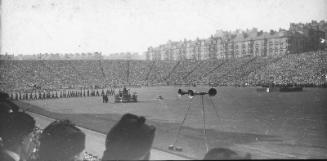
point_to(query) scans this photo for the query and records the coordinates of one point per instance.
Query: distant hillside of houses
(299, 38)
(225, 44)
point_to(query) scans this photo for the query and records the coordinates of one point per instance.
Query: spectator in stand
(15, 128)
(61, 141)
(224, 154)
(129, 139)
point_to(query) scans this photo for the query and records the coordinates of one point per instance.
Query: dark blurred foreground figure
(129, 139)
(61, 141)
(15, 128)
(4, 95)
(6, 105)
(224, 154)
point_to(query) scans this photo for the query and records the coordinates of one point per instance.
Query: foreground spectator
(4, 95)
(61, 141)
(15, 128)
(129, 139)
(224, 154)
(6, 107)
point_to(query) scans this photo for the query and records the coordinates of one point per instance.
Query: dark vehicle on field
(125, 96)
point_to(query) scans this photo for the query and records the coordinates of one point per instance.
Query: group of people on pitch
(129, 139)
(67, 93)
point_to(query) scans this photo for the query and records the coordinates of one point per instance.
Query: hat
(61, 140)
(7, 106)
(129, 139)
(14, 126)
(3, 95)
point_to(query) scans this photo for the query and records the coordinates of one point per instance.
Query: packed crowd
(308, 69)
(238, 71)
(305, 69)
(183, 70)
(130, 138)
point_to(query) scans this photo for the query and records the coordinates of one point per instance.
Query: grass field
(290, 125)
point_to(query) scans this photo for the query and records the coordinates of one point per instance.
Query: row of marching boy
(65, 93)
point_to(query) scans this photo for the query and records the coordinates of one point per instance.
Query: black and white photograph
(97, 80)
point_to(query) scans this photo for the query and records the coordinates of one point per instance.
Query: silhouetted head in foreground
(15, 128)
(4, 95)
(61, 141)
(129, 139)
(7, 106)
(224, 154)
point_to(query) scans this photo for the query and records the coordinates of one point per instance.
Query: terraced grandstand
(304, 69)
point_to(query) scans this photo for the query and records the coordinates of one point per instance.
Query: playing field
(285, 125)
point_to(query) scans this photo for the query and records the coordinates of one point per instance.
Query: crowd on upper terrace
(305, 69)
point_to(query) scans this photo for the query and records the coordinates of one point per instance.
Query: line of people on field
(131, 138)
(67, 93)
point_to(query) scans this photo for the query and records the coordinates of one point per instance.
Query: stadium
(266, 125)
(163, 80)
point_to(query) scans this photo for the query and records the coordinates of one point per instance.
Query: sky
(110, 26)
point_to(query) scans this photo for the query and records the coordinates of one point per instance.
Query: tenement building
(225, 45)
